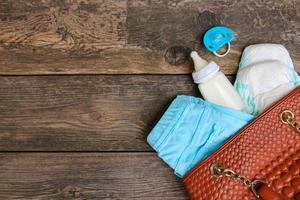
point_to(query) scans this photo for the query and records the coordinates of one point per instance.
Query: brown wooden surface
(89, 113)
(87, 176)
(132, 36)
(82, 135)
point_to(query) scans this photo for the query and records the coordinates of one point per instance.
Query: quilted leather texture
(265, 149)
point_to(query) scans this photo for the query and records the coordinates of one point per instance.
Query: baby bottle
(214, 85)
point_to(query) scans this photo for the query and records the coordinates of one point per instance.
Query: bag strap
(259, 188)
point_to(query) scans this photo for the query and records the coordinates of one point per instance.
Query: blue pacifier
(217, 37)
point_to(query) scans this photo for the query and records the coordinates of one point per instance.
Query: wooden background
(83, 82)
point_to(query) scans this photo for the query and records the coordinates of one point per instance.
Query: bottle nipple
(199, 62)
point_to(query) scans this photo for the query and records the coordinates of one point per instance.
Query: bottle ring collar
(217, 37)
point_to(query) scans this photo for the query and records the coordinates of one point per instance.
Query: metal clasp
(254, 185)
(217, 170)
(288, 117)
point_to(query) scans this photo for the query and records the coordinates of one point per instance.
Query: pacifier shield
(217, 37)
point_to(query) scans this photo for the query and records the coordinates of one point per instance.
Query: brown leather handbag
(262, 161)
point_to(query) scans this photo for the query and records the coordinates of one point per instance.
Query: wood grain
(84, 113)
(132, 36)
(79, 176)
(108, 113)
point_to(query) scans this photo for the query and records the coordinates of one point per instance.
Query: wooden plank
(84, 113)
(133, 36)
(78, 176)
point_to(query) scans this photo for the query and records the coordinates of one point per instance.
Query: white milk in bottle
(214, 85)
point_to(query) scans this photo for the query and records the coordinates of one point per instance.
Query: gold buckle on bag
(288, 117)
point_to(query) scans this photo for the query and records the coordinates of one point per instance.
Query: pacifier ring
(222, 55)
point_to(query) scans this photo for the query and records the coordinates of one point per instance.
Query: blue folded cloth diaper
(191, 129)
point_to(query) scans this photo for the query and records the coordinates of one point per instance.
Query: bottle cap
(205, 73)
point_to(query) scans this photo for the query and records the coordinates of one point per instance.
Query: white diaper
(266, 73)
